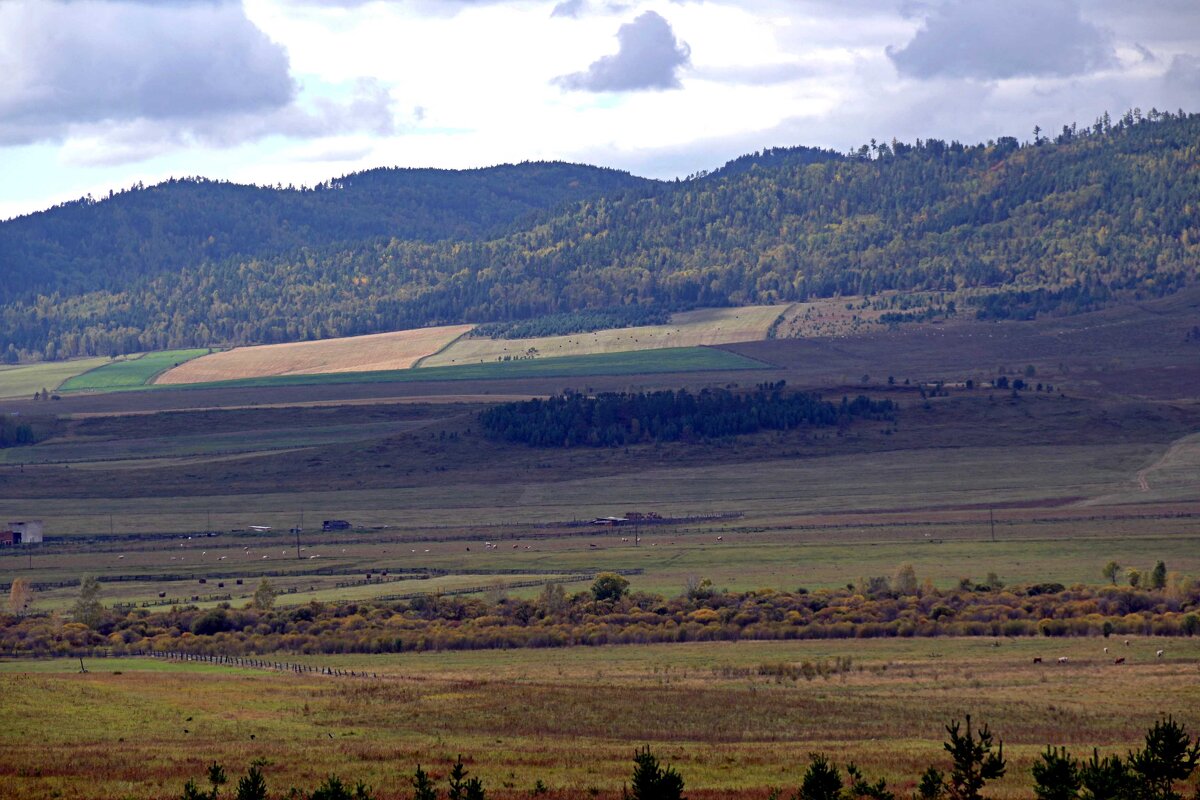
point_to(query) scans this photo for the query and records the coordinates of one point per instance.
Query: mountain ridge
(1060, 225)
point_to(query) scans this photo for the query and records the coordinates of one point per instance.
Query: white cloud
(125, 81)
(84, 62)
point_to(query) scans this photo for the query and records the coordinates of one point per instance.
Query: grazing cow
(1159, 654)
(1120, 660)
(1106, 651)
(1037, 659)
(1127, 643)
(1062, 659)
(720, 538)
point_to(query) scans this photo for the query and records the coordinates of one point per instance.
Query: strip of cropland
(707, 326)
(130, 373)
(373, 352)
(682, 359)
(24, 379)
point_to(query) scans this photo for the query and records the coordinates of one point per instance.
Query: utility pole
(299, 525)
(992, 520)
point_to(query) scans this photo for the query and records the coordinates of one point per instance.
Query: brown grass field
(709, 326)
(379, 351)
(721, 713)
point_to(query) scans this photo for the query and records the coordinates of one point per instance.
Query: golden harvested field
(377, 351)
(707, 326)
(25, 379)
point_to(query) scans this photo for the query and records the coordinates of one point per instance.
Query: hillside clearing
(709, 326)
(374, 352)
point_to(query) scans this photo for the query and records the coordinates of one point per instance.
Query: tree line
(613, 419)
(609, 613)
(1093, 215)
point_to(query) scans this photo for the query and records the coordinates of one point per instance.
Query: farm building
(335, 525)
(28, 532)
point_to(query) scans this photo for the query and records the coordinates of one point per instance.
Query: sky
(98, 95)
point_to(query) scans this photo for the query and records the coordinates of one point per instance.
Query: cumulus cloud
(83, 62)
(648, 57)
(1009, 39)
(130, 79)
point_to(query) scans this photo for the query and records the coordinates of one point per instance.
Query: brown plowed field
(377, 351)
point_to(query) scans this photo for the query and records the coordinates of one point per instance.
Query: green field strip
(130, 373)
(24, 379)
(682, 359)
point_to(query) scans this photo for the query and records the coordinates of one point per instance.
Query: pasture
(374, 352)
(735, 719)
(25, 379)
(130, 372)
(704, 327)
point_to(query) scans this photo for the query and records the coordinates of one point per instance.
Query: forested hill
(1093, 214)
(145, 231)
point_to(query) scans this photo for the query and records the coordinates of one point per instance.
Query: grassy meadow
(130, 372)
(709, 326)
(24, 379)
(730, 717)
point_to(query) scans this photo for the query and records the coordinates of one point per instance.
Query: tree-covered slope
(146, 231)
(1103, 212)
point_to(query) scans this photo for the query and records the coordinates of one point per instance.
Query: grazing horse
(1120, 660)
(1037, 659)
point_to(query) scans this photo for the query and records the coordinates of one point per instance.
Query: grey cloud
(1181, 82)
(1008, 39)
(139, 79)
(369, 109)
(648, 57)
(83, 62)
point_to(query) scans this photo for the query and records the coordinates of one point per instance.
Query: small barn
(335, 525)
(26, 532)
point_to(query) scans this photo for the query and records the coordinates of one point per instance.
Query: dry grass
(571, 718)
(379, 351)
(708, 326)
